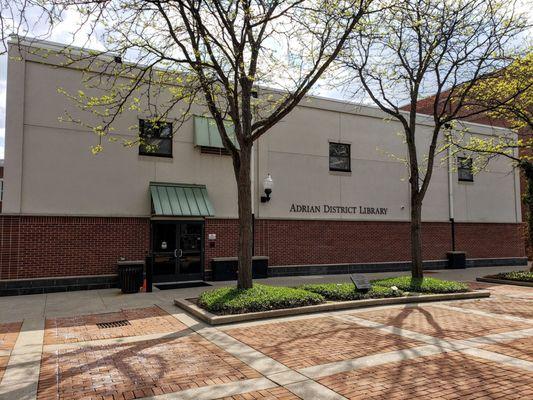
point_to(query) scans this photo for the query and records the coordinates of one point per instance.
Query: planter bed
(519, 278)
(191, 307)
(490, 279)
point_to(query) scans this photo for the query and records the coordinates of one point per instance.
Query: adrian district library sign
(329, 209)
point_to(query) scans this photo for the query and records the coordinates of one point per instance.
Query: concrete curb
(505, 281)
(213, 319)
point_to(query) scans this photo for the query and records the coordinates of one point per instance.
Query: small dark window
(464, 169)
(339, 157)
(156, 138)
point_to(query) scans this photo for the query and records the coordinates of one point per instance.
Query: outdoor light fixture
(268, 183)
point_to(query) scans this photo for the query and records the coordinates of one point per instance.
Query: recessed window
(156, 138)
(464, 169)
(339, 157)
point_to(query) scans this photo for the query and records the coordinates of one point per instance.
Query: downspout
(253, 179)
(450, 191)
(254, 194)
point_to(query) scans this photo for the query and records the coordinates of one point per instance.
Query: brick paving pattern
(444, 376)
(146, 367)
(8, 335)
(277, 393)
(441, 323)
(519, 348)
(3, 365)
(516, 307)
(308, 342)
(503, 290)
(136, 370)
(143, 321)
(479, 285)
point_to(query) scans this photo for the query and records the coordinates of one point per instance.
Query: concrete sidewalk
(15, 308)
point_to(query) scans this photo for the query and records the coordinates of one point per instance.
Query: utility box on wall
(456, 260)
(225, 268)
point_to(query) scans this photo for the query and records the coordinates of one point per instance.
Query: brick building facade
(340, 203)
(34, 246)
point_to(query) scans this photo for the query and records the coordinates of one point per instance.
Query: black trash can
(456, 260)
(130, 276)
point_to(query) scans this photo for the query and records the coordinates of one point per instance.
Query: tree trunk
(417, 269)
(244, 198)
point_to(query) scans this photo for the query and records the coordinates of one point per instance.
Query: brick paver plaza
(476, 349)
(8, 336)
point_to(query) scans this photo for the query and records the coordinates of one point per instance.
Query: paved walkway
(102, 345)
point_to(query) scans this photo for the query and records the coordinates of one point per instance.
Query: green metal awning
(180, 200)
(206, 133)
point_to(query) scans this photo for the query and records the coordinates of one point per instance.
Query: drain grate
(113, 324)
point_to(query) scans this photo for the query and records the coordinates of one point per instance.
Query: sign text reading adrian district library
(328, 209)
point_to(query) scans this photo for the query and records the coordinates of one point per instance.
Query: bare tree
(217, 54)
(418, 48)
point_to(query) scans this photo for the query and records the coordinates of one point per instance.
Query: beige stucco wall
(49, 168)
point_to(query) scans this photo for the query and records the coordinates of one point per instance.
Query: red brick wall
(291, 242)
(32, 246)
(491, 240)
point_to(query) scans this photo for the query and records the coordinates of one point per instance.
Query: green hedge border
(230, 300)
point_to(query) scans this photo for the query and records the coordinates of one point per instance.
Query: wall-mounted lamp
(268, 184)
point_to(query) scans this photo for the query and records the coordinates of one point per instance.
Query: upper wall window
(464, 169)
(339, 157)
(156, 138)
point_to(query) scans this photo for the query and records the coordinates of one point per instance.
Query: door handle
(176, 253)
(181, 253)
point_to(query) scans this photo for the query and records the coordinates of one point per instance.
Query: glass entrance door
(178, 250)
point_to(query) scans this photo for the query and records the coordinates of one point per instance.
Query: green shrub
(425, 285)
(347, 291)
(524, 276)
(230, 300)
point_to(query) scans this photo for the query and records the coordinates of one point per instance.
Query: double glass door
(177, 247)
